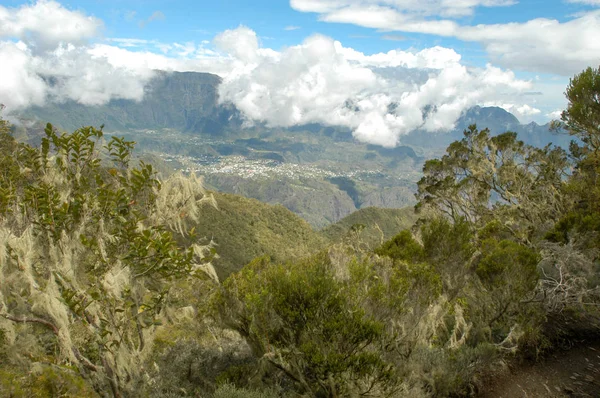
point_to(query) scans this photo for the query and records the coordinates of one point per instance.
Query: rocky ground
(572, 373)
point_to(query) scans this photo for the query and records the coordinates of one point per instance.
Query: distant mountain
(496, 119)
(493, 117)
(328, 174)
(187, 101)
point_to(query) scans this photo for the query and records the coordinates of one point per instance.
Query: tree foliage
(88, 252)
(303, 321)
(484, 178)
(582, 116)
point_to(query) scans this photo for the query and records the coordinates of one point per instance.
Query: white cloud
(20, 85)
(241, 43)
(142, 61)
(524, 112)
(588, 2)
(434, 57)
(554, 115)
(379, 96)
(541, 45)
(46, 24)
(67, 73)
(291, 27)
(81, 77)
(320, 81)
(45, 57)
(446, 8)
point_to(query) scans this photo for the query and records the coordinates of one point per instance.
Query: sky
(370, 65)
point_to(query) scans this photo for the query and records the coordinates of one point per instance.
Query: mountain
(374, 225)
(498, 121)
(186, 101)
(244, 229)
(319, 172)
(493, 117)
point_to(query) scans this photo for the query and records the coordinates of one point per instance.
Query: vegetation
(109, 288)
(371, 225)
(89, 254)
(244, 229)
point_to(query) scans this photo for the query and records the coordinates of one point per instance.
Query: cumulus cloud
(542, 45)
(47, 57)
(320, 81)
(46, 24)
(66, 73)
(241, 43)
(49, 54)
(20, 85)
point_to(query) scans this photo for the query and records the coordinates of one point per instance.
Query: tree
(89, 251)
(572, 265)
(582, 120)
(483, 178)
(303, 321)
(582, 116)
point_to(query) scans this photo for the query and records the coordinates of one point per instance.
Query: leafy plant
(87, 254)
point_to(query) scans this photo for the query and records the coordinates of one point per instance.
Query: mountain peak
(489, 115)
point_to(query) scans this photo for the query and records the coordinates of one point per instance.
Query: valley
(319, 178)
(322, 173)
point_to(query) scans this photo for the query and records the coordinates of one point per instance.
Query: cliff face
(186, 101)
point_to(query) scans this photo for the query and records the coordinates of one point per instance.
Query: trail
(572, 373)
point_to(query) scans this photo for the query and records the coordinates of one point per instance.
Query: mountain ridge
(189, 102)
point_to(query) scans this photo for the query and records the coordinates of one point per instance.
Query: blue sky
(188, 20)
(452, 54)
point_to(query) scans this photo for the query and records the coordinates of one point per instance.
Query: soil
(571, 373)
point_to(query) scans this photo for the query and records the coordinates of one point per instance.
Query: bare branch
(40, 321)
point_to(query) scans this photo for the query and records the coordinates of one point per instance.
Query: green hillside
(318, 202)
(376, 224)
(246, 228)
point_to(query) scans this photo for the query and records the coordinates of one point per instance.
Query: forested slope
(244, 229)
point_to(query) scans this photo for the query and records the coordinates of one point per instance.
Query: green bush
(402, 247)
(306, 324)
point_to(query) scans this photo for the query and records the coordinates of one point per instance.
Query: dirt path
(573, 373)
